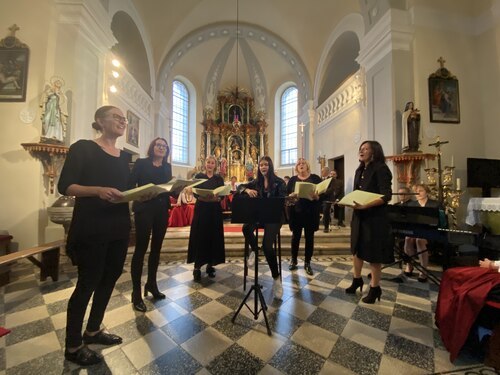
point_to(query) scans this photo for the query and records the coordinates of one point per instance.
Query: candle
(458, 184)
(426, 163)
(452, 161)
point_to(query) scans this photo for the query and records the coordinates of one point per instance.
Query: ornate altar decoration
(235, 134)
(52, 157)
(408, 166)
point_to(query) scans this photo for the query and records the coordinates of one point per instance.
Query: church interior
(241, 79)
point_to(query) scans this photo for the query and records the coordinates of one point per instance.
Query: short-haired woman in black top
(95, 172)
(151, 219)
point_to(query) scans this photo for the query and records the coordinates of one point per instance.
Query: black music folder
(248, 210)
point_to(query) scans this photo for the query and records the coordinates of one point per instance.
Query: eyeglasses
(119, 118)
(161, 146)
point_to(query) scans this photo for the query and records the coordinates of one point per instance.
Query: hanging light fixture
(236, 120)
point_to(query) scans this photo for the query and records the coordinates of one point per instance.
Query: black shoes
(357, 282)
(102, 338)
(197, 275)
(422, 279)
(137, 301)
(308, 269)
(83, 357)
(374, 293)
(210, 271)
(293, 265)
(153, 289)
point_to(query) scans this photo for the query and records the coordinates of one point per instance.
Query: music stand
(258, 211)
(410, 221)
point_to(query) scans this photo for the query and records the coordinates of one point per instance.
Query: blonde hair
(306, 163)
(215, 160)
(426, 188)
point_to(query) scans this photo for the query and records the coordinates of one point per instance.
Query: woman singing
(267, 185)
(95, 172)
(370, 230)
(206, 239)
(303, 215)
(151, 218)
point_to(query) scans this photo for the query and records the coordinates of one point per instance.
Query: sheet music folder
(257, 210)
(409, 215)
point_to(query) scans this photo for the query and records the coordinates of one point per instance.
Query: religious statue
(54, 112)
(253, 153)
(410, 129)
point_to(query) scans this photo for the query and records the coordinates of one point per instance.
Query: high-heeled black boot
(374, 293)
(210, 271)
(153, 289)
(137, 301)
(197, 275)
(357, 282)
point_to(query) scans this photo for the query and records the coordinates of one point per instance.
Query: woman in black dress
(267, 185)
(206, 238)
(151, 219)
(304, 214)
(95, 172)
(370, 230)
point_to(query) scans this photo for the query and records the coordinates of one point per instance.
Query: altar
(486, 212)
(235, 134)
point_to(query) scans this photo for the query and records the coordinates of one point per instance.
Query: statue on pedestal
(411, 129)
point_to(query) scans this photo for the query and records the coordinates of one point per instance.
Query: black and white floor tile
(316, 327)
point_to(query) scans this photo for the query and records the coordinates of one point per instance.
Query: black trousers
(339, 213)
(99, 266)
(152, 223)
(270, 233)
(309, 236)
(327, 206)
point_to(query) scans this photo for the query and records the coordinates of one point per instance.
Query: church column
(386, 57)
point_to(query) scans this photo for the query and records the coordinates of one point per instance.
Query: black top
(430, 203)
(145, 172)
(335, 190)
(277, 190)
(370, 229)
(87, 164)
(304, 212)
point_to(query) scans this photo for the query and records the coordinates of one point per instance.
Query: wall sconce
(114, 76)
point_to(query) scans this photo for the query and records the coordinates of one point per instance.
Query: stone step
(335, 242)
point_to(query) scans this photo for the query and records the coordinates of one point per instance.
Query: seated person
(462, 298)
(414, 245)
(404, 196)
(182, 211)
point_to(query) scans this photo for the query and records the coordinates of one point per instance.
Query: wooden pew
(48, 264)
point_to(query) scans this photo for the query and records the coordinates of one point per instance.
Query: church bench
(48, 263)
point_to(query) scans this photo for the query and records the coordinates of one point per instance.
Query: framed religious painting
(14, 59)
(132, 129)
(444, 98)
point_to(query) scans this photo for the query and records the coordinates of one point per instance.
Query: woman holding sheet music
(304, 214)
(370, 230)
(267, 185)
(95, 172)
(151, 219)
(206, 239)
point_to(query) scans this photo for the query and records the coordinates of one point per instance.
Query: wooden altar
(235, 134)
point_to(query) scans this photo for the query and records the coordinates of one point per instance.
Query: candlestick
(458, 184)
(452, 161)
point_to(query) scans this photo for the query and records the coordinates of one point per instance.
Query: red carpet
(4, 331)
(236, 229)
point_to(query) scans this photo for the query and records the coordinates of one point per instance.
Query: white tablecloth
(480, 204)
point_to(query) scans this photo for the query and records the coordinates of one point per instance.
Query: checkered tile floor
(316, 328)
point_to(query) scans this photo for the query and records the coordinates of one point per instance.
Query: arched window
(180, 123)
(288, 126)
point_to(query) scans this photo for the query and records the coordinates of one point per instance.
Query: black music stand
(258, 211)
(410, 221)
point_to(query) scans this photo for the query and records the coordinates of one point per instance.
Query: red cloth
(4, 331)
(181, 216)
(462, 295)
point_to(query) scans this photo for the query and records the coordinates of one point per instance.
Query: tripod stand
(257, 211)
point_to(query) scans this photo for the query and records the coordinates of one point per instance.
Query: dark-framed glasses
(161, 146)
